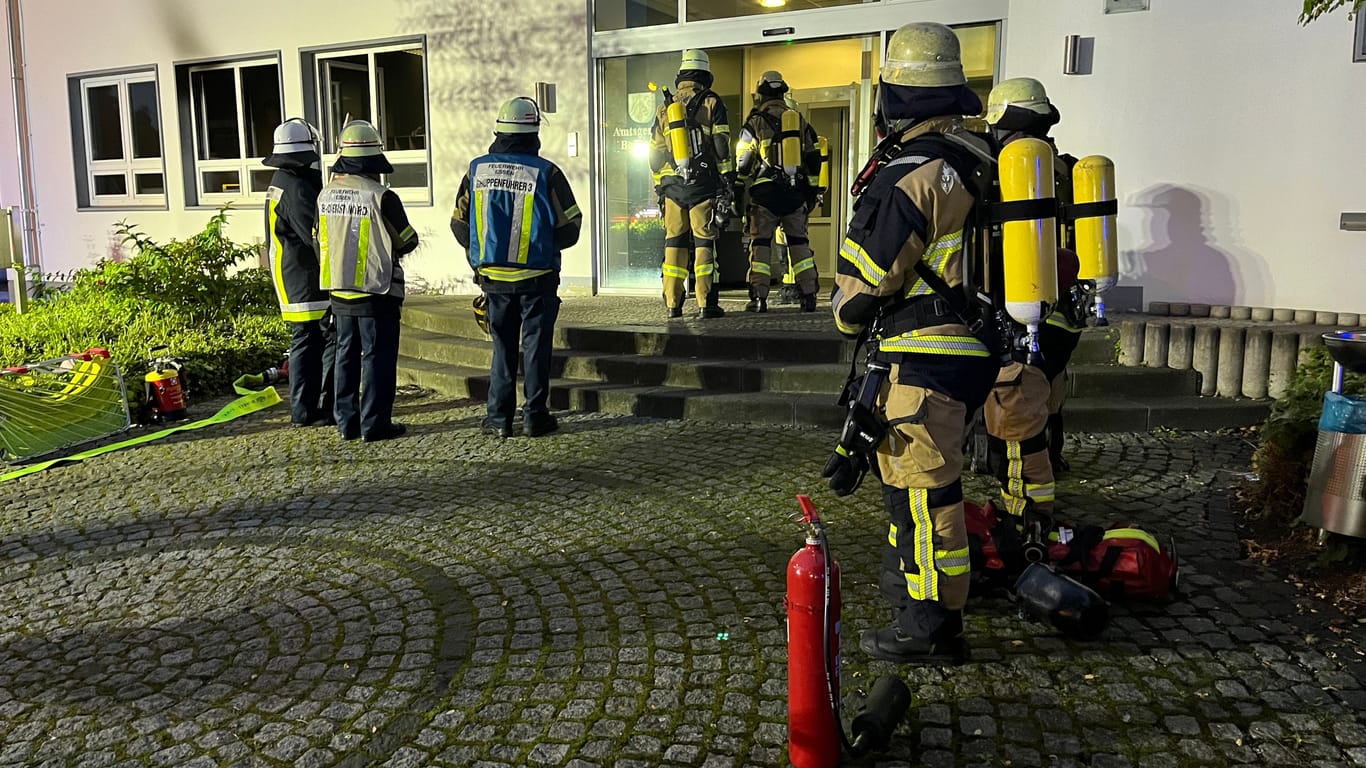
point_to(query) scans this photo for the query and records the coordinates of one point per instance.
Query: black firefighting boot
(924, 633)
(808, 302)
(756, 304)
(1055, 443)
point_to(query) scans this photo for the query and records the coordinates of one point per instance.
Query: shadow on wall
(481, 58)
(1186, 259)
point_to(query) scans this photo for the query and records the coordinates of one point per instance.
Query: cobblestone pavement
(608, 595)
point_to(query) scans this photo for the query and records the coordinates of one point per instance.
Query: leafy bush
(181, 294)
(1286, 452)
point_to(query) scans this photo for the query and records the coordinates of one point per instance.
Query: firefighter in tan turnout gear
(777, 150)
(899, 278)
(690, 157)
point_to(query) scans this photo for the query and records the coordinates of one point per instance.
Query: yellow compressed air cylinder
(678, 138)
(791, 148)
(1030, 246)
(1093, 181)
(824, 180)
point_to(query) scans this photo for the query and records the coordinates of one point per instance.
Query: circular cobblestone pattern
(611, 594)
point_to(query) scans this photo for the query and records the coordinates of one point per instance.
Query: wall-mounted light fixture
(545, 97)
(772, 3)
(1077, 54)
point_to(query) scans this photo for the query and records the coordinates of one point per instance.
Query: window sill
(121, 207)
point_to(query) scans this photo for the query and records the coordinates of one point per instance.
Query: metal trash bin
(1336, 499)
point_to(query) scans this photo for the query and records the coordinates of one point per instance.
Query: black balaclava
(770, 91)
(367, 165)
(699, 76)
(905, 102)
(1020, 120)
(516, 144)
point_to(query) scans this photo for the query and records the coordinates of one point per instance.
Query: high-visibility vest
(512, 220)
(357, 249)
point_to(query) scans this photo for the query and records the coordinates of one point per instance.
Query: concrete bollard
(1231, 341)
(1304, 316)
(1219, 311)
(1181, 348)
(1283, 315)
(1240, 313)
(1159, 308)
(1257, 363)
(1262, 314)
(1131, 342)
(1199, 310)
(1180, 310)
(1285, 356)
(1349, 319)
(1155, 339)
(1205, 357)
(1325, 318)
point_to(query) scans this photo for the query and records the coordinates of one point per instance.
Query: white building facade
(1235, 131)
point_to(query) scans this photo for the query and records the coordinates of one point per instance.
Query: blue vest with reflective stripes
(512, 221)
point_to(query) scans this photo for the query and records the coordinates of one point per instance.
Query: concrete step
(1097, 345)
(443, 348)
(1118, 414)
(1088, 414)
(1110, 381)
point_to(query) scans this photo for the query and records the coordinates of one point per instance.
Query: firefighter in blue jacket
(291, 213)
(514, 214)
(363, 230)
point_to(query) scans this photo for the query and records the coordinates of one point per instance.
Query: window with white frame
(234, 108)
(120, 140)
(386, 85)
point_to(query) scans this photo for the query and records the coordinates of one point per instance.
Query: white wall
(1237, 138)
(9, 148)
(476, 60)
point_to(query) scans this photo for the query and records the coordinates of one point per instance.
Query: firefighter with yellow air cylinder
(690, 157)
(1024, 413)
(777, 151)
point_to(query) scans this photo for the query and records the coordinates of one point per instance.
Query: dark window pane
(142, 105)
(627, 14)
(215, 109)
(346, 94)
(260, 107)
(408, 175)
(402, 88)
(149, 184)
(111, 184)
(222, 181)
(260, 180)
(106, 132)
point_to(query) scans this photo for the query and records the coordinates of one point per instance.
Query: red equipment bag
(1120, 562)
(995, 547)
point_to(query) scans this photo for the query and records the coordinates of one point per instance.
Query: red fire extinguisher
(814, 729)
(813, 648)
(165, 386)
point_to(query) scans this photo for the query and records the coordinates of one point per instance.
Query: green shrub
(181, 294)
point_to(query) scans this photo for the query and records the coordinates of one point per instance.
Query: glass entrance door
(833, 81)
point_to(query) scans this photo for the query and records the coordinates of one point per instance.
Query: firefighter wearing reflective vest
(690, 157)
(1024, 414)
(291, 214)
(514, 214)
(900, 270)
(363, 231)
(777, 152)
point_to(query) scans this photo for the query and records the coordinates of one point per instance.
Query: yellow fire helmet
(695, 59)
(924, 54)
(1023, 92)
(481, 312)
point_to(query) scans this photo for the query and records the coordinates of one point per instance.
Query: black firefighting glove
(845, 471)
